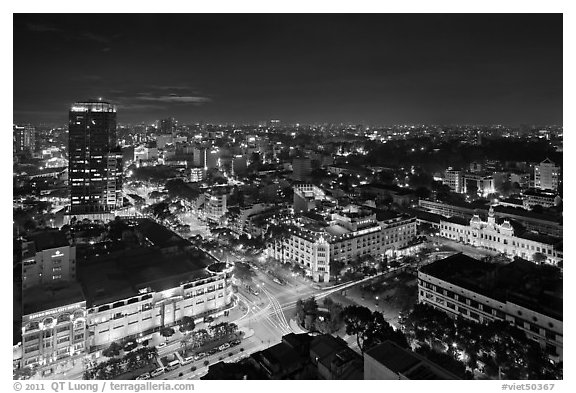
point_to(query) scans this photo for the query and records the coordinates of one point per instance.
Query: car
(234, 343)
(143, 376)
(172, 367)
(199, 356)
(224, 346)
(212, 351)
(158, 371)
(187, 361)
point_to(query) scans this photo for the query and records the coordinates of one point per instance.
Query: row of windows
(482, 307)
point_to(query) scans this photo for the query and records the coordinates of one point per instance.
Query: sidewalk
(295, 327)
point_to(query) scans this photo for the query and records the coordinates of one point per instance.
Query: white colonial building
(501, 237)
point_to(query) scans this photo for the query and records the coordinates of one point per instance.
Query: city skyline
(370, 69)
(287, 197)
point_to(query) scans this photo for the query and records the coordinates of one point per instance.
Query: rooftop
(43, 298)
(159, 235)
(410, 364)
(536, 287)
(123, 274)
(46, 240)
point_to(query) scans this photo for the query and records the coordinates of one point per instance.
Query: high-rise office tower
(95, 164)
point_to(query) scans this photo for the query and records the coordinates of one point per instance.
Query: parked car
(172, 367)
(158, 371)
(199, 356)
(224, 346)
(143, 376)
(212, 351)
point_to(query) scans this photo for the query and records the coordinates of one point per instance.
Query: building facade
(301, 168)
(454, 179)
(546, 175)
(455, 286)
(24, 139)
(47, 263)
(53, 327)
(346, 237)
(215, 206)
(500, 237)
(152, 310)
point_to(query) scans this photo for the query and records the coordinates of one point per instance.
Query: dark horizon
(367, 69)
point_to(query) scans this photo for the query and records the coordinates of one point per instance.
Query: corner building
(522, 293)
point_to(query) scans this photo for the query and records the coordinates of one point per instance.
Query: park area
(389, 295)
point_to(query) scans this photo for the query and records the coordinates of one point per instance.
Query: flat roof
(537, 237)
(46, 240)
(122, 275)
(336, 230)
(42, 298)
(410, 364)
(159, 235)
(457, 220)
(536, 287)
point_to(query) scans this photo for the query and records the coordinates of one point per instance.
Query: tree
(305, 308)
(187, 324)
(167, 332)
(539, 258)
(336, 266)
(370, 328)
(113, 350)
(357, 319)
(378, 331)
(243, 271)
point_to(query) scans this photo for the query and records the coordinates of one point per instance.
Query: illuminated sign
(54, 311)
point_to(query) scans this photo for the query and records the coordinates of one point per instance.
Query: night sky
(378, 69)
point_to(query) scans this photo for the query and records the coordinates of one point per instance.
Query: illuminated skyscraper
(95, 165)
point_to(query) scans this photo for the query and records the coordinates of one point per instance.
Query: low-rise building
(526, 295)
(388, 361)
(145, 290)
(344, 235)
(121, 295)
(542, 198)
